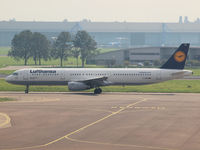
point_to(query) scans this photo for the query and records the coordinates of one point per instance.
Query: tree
(62, 47)
(40, 47)
(21, 46)
(76, 54)
(86, 44)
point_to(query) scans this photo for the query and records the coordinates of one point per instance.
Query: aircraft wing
(95, 82)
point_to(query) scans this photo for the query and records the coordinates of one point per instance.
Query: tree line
(27, 44)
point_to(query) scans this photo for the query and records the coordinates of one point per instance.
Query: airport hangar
(139, 55)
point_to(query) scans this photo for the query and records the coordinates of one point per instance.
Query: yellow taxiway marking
(98, 121)
(111, 144)
(89, 125)
(7, 120)
(114, 107)
(143, 108)
(81, 129)
(155, 108)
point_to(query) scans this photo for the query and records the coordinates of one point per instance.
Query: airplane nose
(8, 78)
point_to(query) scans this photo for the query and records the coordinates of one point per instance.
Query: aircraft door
(25, 76)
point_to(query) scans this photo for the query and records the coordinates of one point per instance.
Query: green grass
(71, 62)
(173, 86)
(4, 86)
(105, 50)
(4, 50)
(5, 99)
(6, 72)
(9, 61)
(196, 72)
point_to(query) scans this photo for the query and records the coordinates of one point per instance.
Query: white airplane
(79, 79)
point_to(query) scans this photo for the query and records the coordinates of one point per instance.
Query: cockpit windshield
(15, 74)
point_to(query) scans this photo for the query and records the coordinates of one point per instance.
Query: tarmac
(110, 121)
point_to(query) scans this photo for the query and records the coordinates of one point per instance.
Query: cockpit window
(15, 74)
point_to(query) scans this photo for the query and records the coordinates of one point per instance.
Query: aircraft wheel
(27, 89)
(95, 91)
(98, 91)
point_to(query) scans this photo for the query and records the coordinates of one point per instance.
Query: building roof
(100, 26)
(145, 47)
(35, 26)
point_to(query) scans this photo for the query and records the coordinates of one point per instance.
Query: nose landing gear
(27, 89)
(97, 91)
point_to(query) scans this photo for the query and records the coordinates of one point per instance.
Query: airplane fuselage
(115, 76)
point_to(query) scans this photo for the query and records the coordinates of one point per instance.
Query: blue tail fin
(177, 60)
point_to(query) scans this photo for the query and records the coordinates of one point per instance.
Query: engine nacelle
(77, 86)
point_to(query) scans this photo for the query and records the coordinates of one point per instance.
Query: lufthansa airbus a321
(79, 79)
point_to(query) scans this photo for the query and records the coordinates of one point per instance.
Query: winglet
(177, 60)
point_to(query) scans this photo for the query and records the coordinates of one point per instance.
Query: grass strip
(6, 72)
(5, 99)
(173, 86)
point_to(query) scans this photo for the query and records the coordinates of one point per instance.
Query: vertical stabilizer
(177, 60)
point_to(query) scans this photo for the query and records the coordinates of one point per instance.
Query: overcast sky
(99, 10)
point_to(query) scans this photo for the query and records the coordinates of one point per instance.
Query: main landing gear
(27, 89)
(97, 91)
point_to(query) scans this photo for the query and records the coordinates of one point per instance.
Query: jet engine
(77, 86)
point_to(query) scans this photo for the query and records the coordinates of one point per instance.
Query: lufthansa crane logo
(179, 56)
